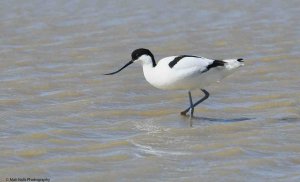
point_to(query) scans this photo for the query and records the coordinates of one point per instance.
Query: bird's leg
(203, 98)
(198, 102)
(185, 111)
(191, 105)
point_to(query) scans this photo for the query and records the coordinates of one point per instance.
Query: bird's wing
(190, 62)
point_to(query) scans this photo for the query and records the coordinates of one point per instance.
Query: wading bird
(184, 72)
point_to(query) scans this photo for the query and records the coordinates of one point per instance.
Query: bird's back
(188, 72)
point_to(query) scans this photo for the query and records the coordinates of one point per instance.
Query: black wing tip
(214, 64)
(240, 60)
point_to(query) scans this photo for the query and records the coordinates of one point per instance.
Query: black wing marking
(240, 60)
(214, 64)
(178, 58)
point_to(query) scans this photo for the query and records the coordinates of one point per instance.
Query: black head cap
(141, 51)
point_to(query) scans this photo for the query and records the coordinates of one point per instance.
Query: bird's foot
(191, 116)
(183, 113)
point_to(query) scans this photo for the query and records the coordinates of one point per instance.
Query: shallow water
(62, 119)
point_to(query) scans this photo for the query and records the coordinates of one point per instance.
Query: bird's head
(141, 55)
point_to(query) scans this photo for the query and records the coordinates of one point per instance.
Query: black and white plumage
(183, 72)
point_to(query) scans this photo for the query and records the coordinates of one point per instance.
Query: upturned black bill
(129, 63)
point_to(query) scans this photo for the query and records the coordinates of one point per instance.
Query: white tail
(233, 63)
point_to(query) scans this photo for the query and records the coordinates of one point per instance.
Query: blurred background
(61, 118)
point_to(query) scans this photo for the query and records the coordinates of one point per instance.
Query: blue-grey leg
(191, 105)
(198, 102)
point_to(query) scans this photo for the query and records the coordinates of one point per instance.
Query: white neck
(150, 74)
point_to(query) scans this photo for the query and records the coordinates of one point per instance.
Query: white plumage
(183, 72)
(188, 74)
